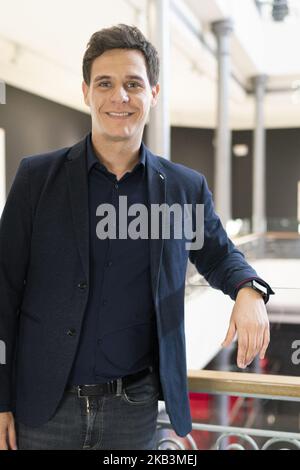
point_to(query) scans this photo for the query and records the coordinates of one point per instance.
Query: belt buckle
(78, 392)
(111, 388)
(79, 389)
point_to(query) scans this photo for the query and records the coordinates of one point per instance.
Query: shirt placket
(104, 299)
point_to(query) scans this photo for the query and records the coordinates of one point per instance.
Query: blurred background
(229, 108)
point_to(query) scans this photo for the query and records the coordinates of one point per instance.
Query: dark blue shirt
(118, 335)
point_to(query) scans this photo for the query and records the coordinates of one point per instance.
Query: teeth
(118, 114)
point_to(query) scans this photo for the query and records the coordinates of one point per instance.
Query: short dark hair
(121, 36)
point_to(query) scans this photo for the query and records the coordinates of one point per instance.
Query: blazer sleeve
(219, 261)
(15, 237)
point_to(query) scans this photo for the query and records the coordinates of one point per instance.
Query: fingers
(266, 342)
(242, 349)
(7, 432)
(252, 344)
(230, 335)
(12, 436)
(3, 443)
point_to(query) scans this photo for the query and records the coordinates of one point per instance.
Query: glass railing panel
(256, 407)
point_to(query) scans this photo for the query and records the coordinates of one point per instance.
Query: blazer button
(82, 285)
(71, 332)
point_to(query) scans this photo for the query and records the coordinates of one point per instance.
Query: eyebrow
(107, 77)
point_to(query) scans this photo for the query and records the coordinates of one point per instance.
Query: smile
(119, 115)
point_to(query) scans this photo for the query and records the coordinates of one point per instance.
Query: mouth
(124, 115)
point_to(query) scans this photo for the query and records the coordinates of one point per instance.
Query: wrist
(249, 292)
(256, 287)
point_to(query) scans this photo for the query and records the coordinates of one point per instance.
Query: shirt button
(82, 285)
(104, 302)
(71, 332)
(116, 185)
(109, 264)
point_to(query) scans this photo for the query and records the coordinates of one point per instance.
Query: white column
(259, 223)
(158, 135)
(222, 184)
(2, 92)
(2, 171)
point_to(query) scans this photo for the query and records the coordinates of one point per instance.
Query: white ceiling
(42, 44)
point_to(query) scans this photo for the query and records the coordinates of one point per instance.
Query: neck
(118, 157)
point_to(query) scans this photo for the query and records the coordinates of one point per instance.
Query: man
(94, 325)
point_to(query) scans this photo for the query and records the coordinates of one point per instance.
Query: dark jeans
(125, 420)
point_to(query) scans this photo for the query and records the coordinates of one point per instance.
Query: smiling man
(94, 326)
(119, 87)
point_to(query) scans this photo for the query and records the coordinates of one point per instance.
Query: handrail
(283, 235)
(240, 383)
(241, 240)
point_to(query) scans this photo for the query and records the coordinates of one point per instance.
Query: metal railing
(236, 384)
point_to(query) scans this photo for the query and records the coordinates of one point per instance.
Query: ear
(85, 91)
(155, 92)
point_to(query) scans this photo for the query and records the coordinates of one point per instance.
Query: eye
(104, 84)
(133, 84)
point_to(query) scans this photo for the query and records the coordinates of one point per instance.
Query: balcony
(255, 408)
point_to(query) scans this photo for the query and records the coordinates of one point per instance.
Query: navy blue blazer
(44, 279)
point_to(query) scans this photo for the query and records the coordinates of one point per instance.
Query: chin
(119, 137)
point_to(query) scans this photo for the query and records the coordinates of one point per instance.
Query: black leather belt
(107, 387)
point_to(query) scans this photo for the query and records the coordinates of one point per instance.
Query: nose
(119, 95)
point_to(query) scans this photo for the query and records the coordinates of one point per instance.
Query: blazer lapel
(156, 180)
(78, 189)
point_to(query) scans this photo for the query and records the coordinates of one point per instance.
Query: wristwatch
(258, 287)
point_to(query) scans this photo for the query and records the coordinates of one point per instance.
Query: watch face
(260, 287)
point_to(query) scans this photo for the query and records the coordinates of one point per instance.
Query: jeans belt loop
(119, 387)
(111, 387)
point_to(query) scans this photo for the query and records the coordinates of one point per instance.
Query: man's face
(119, 84)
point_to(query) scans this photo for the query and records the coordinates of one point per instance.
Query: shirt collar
(92, 158)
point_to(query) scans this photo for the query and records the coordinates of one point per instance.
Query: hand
(7, 432)
(250, 321)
